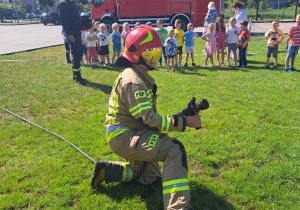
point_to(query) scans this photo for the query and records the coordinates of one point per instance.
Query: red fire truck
(131, 11)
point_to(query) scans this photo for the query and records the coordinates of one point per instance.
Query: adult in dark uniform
(70, 20)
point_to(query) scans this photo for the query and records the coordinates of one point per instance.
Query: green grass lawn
(269, 15)
(246, 156)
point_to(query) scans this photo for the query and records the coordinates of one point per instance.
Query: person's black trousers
(76, 51)
(242, 55)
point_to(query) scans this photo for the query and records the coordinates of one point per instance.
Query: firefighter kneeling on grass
(137, 133)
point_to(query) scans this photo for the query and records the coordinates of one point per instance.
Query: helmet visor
(152, 54)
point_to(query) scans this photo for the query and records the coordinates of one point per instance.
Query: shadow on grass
(104, 88)
(113, 68)
(201, 197)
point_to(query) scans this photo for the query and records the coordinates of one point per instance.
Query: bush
(269, 13)
(21, 11)
(6, 11)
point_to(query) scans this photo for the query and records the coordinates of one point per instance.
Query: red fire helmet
(139, 39)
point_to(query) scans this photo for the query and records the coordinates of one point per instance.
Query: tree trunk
(257, 8)
(296, 8)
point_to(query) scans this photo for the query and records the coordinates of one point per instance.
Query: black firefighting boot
(109, 171)
(74, 76)
(99, 173)
(78, 78)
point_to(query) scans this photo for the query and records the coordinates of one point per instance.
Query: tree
(296, 8)
(263, 6)
(21, 10)
(83, 1)
(46, 3)
(6, 11)
(84, 7)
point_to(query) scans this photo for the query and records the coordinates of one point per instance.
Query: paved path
(17, 38)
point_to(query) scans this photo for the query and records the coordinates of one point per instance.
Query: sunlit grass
(246, 156)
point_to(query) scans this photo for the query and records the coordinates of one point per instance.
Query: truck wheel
(108, 24)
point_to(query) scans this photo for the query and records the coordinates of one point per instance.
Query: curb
(29, 50)
(20, 24)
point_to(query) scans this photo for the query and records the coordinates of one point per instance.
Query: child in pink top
(91, 45)
(220, 38)
(125, 32)
(210, 47)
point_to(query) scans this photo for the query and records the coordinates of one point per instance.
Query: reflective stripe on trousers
(127, 173)
(115, 133)
(175, 186)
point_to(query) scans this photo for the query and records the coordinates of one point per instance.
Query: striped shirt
(294, 36)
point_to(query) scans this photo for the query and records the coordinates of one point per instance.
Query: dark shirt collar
(144, 74)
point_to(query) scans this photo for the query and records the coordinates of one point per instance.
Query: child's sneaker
(212, 65)
(96, 65)
(159, 65)
(173, 70)
(167, 71)
(223, 64)
(293, 69)
(205, 65)
(193, 64)
(103, 64)
(267, 66)
(228, 64)
(287, 69)
(179, 65)
(80, 63)
(274, 67)
(175, 65)
(234, 64)
(90, 64)
(218, 64)
(185, 65)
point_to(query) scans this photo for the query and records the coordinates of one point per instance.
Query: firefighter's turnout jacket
(132, 104)
(137, 133)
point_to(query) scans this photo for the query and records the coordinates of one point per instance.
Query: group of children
(95, 42)
(235, 38)
(275, 36)
(217, 38)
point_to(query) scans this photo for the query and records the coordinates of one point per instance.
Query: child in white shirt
(232, 36)
(171, 48)
(103, 44)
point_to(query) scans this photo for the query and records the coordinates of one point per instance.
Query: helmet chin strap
(123, 62)
(143, 62)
